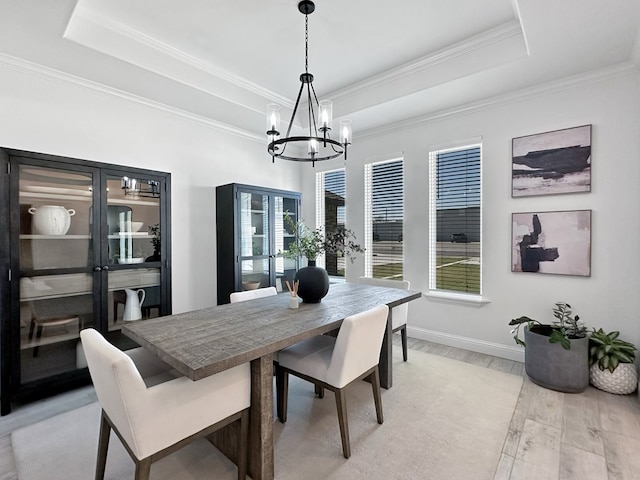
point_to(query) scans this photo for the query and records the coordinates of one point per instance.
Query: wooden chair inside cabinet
(155, 421)
(335, 363)
(400, 313)
(40, 321)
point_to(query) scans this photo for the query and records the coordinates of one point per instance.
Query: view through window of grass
(455, 218)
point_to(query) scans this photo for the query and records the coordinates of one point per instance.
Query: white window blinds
(384, 219)
(330, 212)
(455, 215)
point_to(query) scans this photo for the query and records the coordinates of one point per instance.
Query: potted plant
(556, 354)
(310, 243)
(611, 363)
(154, 232)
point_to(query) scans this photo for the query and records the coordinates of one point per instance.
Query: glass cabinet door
(133, 251)
(56, 268)
(254, 240)
(286, 216)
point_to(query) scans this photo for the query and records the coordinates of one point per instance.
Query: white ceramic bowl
(132, 260)
(136, 226)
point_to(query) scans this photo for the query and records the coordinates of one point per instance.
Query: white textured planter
(623, 380)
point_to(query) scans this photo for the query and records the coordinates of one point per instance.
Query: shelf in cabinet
(54, 237)
(128, 234)
(57, 197)
(127, 201)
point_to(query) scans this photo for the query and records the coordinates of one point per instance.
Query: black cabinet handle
(97, 269)
(106, 267)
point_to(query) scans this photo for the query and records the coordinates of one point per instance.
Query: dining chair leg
(143, 469)
(103, 445)
(282, 393)
(403, 334)
(377, 398)
(243, 440)
(341, 405)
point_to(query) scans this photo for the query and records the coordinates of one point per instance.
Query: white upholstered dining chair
(399, 313)
(152, 422)
(335, 363)
(251, 294)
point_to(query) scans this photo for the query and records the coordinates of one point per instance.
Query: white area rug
(444, 419)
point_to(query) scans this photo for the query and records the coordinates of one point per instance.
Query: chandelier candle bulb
(326, 112)
(273, 119)
(345, 130)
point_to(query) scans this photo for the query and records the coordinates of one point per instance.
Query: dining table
(204, 342)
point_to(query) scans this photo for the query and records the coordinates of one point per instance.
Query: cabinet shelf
(130, 234)
(54, 237)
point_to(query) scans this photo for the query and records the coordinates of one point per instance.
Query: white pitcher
(132, 306)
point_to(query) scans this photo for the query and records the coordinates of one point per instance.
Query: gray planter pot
(551, 366)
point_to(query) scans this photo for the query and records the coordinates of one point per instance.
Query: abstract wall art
(552, 162)
(552, 242)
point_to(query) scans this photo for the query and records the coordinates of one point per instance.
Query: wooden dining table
(207, 341)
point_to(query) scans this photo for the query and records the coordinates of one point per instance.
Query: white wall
(57, 117)
(608, 298)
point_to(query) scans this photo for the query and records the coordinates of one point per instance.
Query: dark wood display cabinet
(81, 244)
(251, 236)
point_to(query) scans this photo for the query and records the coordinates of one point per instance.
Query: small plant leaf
(519, 320)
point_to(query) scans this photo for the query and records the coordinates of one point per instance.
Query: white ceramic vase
(622, 381)
(51, 219)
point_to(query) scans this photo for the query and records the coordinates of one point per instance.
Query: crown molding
(83, 15)
(618, 70)
(483, 40)
(69, 80)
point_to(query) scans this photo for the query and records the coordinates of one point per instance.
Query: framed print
(552, 242)
(552, 162)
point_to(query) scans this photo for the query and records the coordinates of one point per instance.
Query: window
(384, 219)
(330, 213)
(455, 213)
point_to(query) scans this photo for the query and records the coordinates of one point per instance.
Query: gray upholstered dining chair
(335, 363)
(251, 294)
(152, 422)
(400, 313)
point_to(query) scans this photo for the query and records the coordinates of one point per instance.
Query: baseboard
(514, 353)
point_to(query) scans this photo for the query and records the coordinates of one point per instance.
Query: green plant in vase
(309, 243)
(556, 354)
(154, 232)
(611, 361)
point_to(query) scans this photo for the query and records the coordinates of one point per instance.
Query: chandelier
(318, 144)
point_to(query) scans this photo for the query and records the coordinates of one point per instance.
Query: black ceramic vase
(314, 283)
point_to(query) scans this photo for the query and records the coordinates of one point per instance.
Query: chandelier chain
(306, 43)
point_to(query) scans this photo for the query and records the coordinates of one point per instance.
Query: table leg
(260, 444)
(261, 466)
(386, 354)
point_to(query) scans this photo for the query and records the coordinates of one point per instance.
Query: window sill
(457, 298)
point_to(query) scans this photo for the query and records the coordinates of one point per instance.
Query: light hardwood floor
(588, 436)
